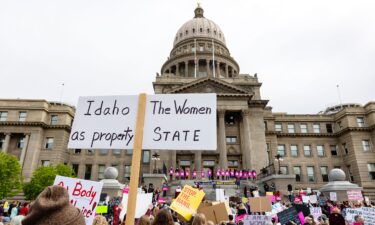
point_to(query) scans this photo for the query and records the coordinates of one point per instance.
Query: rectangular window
(2, 140)
(3, 116)
(316, 128)
(49, 143)
(297, 172)
(232, 163)
(146, 156)
(90, 151)
(291, 128)
(360, 121)
(231, 139)
(345, 148)
(20, 142)
(366, 145)
(201, 48)
(116, 151)
(192, 49)
(303, 127)
(310, 174)
(101, 171)
(75, 167)
(103, 151)
(265, 126)
(320, 150)
(88, 168)
(54, 119)
(77, 151)
(278, 127)
(371, 170)
(307, 150)
(350, 173)
(281, 150)
(129, 151)
(284, 170)
(128, 168)
(45, 162)
(22, 116)
(293, 150)
(329, 128)
(333, 150)
(324, 173)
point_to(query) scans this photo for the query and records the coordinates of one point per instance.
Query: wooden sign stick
(136, 160)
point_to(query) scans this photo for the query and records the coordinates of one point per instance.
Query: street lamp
(279, 158)
(155, 157)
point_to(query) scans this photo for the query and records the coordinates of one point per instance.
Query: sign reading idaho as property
(172, 121)
(83, 194)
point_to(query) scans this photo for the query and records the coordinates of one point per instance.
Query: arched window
(219, 34)
(186, 32)
(208, 30)
(193, 30)
(201, 29)
(215, 32)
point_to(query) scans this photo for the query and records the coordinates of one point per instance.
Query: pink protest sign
(301, 217)
(83, 194)
(161, 200)
(355, 195)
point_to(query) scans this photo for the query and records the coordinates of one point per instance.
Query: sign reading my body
(126, 135)
(177, 109)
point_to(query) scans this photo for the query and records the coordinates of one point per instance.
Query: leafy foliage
(44, 177)
(10, 175)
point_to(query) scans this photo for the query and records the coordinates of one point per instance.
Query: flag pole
(213, 58)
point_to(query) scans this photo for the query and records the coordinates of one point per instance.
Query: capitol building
(249, 134)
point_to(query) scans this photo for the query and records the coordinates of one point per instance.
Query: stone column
(6, 142)
(226, 71)
(246, 142)
(198, 163)
(186, 68)
(24, 149)
(95, 171)
(173, 159)
(223, 162)
(208, 67)
(177, 70)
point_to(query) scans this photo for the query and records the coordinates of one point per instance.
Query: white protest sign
(256, 194)
(350, 213)
(83, 194)
(220, 195)
(256, 219)
(143, 202)
(308, 190)
(355, 195)
(305, 199)
(368, 215)
(277, 207)
(172, 122)
(316, 212)
(313, 199)
(333, 196)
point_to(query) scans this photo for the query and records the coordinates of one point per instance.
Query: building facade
(249, 134)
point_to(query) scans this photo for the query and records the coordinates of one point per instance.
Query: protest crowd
(300, 208)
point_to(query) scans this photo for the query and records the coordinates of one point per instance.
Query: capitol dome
(200, 27)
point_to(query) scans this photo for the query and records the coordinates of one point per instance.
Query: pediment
(210, 85)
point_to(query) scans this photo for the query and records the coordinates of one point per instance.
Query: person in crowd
(231, 220)
(222, 223)
(359, 220)
(218, 172)
(53, 205)
(14, 211)
(164, 217)
(203, 174)
(144, 220)
(194, 174)
(323, 220)
(312, 219)
(308, 221)
(199, 219)
(171, 173)
(210, 222)
(241, 210)
(335, 218)
(17, 220)
(24, 210)
(99, 220)
(177, 174)
(209, 174)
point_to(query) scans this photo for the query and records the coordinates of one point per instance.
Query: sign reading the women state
(83, 194)
(172, 121)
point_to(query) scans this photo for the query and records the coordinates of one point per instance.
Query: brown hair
(164, 217)
(144, 220)
(199, 219)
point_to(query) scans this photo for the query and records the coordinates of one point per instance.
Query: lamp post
(279, 158)
(155, 157)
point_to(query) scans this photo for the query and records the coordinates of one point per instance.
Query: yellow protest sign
(244, 200)
(269, 193)
(187, 202)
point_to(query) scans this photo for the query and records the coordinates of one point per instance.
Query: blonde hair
(100, 220)
(199, 219)
(210, 222)
(144, 220)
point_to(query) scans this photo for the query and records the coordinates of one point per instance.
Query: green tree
(10, 175)
(44, 177)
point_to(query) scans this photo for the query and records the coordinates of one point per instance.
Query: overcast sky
(300, 49)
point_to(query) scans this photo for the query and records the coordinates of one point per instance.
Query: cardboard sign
(187, 202)
(83, 194)
(143, 203)
(260, 204)
(333, 196)
(101, 209)
(288, 215)
(172, 122)
(215, 213)
(354, 195)
(256, 219)
(316, 212)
